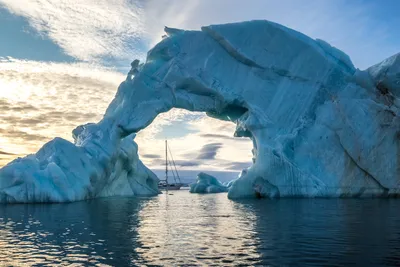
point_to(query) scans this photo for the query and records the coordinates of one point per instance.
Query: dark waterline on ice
(188, 229)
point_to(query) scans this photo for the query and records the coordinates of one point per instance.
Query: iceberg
(320, 127)
(64, 172)
(206, 183)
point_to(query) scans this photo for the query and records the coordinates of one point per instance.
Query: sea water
(186, 229)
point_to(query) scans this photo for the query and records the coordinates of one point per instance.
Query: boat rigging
(164, 184)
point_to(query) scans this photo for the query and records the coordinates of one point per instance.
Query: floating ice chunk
(206, 183)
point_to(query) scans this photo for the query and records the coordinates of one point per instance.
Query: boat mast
(166, 163)
(173, 163)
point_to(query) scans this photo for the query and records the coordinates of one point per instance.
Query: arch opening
(199, 143)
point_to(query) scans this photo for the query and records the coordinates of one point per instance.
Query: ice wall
(320, 127)
(315, 120)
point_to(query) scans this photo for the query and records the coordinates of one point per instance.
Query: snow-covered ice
(206, 183)
(319, 126)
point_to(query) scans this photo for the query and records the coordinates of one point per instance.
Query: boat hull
(170, 187)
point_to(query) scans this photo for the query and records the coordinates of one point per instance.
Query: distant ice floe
(206, 183)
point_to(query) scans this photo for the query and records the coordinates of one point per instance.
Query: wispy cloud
(223, 136)
(209, 151)
(187, 163)
(238, 166)
(6, 153)
(150, 156)
(88, 30)
(94, 30)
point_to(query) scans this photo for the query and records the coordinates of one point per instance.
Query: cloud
(14, 135)
(237, 166)
(168, 121)
(209, 151)
(157, 160)
(87, 30)
(120, 30)
(16, 107)
(22, 115)
(179, 163)
(6, 153)
(223, 136)
(186, 163)
(39, 101)
(150, 156)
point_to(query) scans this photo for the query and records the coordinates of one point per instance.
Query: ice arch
(320, 127)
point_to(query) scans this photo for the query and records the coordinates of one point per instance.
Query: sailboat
(165, 184)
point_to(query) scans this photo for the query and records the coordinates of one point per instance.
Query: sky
(61, 62)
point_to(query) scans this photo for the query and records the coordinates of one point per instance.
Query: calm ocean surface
(188, 229)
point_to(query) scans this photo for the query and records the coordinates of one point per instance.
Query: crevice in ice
(386, 190)
(235, 53)
(230, 48)
(230, 112)
(388, 97)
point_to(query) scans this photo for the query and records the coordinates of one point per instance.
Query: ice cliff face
(320, 127)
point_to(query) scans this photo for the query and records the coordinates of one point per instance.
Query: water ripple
(201, 230)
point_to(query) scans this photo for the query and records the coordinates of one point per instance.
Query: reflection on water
(187, 229)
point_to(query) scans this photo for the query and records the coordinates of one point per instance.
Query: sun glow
(39, 101)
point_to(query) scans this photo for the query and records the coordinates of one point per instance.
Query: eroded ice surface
(92, 167)
(206, 183)
(320, 127)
